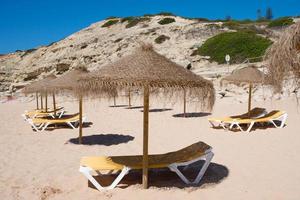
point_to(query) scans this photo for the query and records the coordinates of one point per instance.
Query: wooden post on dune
(80, 120)
(129, 98)
(37, 100)
(46, 102)
(249, 100)
(54, 104)
(145, 137)
(184, 103)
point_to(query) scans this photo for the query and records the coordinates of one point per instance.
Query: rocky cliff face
(96, 45)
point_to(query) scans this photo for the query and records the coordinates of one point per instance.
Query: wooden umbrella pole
(114, 100)
(46, 102)
(249, 100)
(80, 120)
(54, 104)
(37, 100)
(129, 98)
(184, 103)
(42, 106)
(145, 137)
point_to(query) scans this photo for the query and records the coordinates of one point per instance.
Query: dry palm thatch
(250, 75)
(145, 67)
(38, 86)
(283, 58)
(66, 82)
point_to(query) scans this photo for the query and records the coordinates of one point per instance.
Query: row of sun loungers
(39, 119)
(122, 165)
(256, 116)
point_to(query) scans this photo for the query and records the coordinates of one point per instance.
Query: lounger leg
(174, 167)
(71, 125)
(87, 173)
(61, 114)
(248, 129)
(208, 159)
(232, 125)
(46, 125)
(220, 124)
(41, 125)
(282, 120)
(34, 127)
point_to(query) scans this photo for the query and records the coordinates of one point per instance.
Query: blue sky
(26, 24)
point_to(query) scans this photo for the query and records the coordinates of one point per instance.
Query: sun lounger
(254, 113)
(271, 117)
(40, 124)
(43, 113)
(172, 160)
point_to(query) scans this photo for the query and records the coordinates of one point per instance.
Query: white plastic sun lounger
(40, 124)
(272, 117)
(222, 122)
(41, 113)
(172, 160)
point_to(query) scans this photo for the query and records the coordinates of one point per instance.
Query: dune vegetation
(239, 45)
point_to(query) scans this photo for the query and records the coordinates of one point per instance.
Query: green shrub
(111, 17)
(110, 23)
(126, 19)
(166, 14)
(160, 39)
(133, 21)
(232, 25)
(280, 22)
(239, 45)
(166, 20)
(213, 26)
(28, 51)
(118, 40)
(199, 19)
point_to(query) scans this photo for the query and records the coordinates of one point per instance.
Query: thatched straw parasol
(38, 87)
(283, 58)
(249, 75)
(66, 83)
(145, 69)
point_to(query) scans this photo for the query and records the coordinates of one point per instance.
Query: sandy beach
(262, 164)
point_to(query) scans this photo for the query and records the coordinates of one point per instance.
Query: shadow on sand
(162, 178)
(118, 106)
(103, 139)
(158, 110)
(191, 115)
(134, 107)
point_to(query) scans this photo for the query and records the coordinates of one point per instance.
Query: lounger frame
(42, 126)
(87, 172)
(282, 118)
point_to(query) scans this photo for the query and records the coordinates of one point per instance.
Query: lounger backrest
(163, 160)
(271, 115)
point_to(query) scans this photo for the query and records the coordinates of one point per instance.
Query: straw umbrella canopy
(66, 84)
(38, 87)
(147, 70)
(283, 58)
(249, 75)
